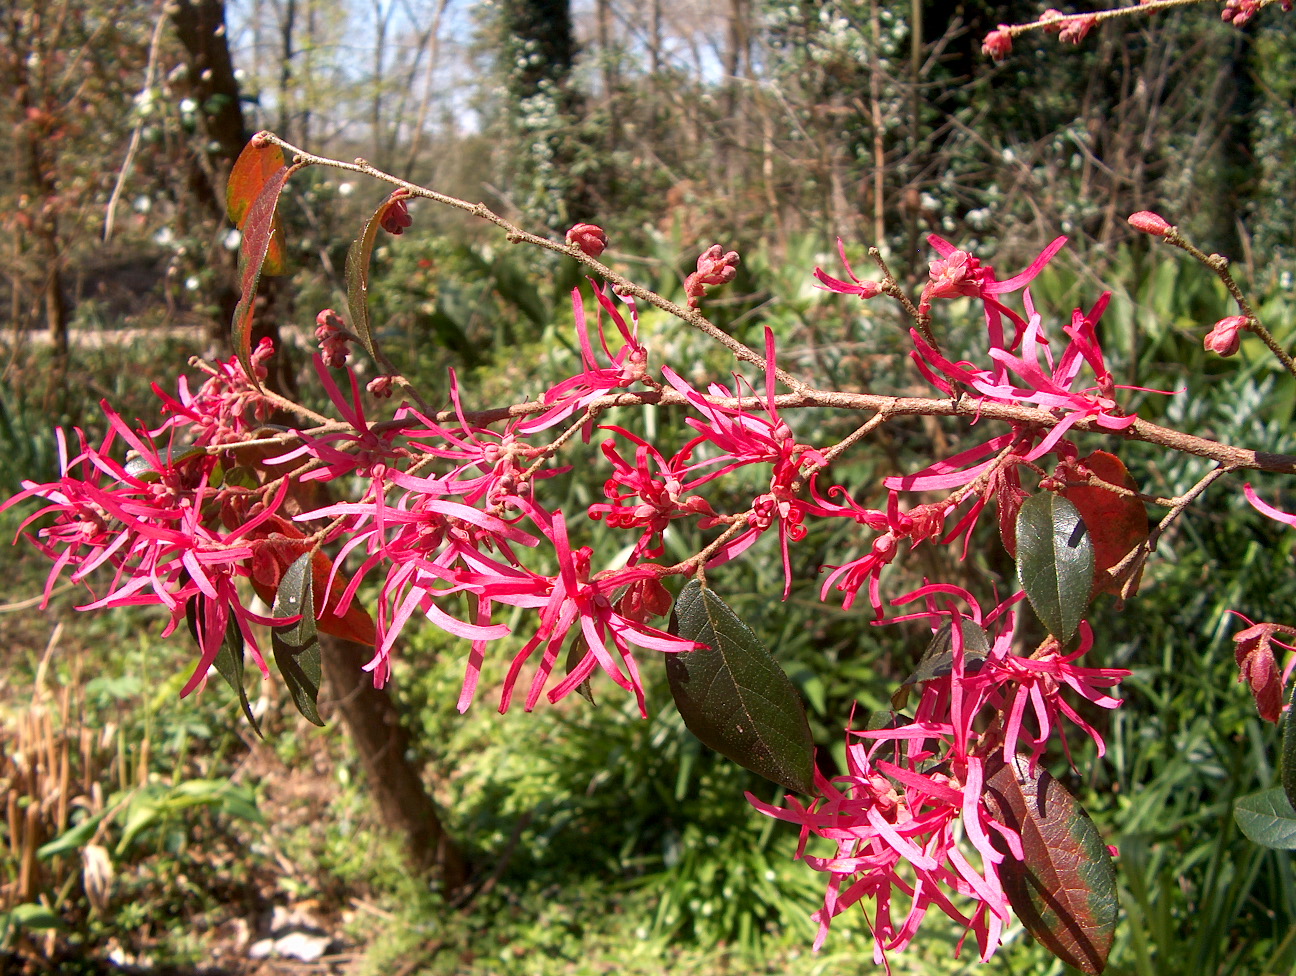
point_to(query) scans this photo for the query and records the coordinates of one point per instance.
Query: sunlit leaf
(1064, 888)
(260, 228)
(357, 272)
(1268, 819)
(296, 645)
(1117, 523)
(257, 165)
(1055, 561)
(734, 696)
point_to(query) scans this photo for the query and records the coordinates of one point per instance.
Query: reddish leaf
(257, 165)
(1064, 888)
(357, 268)
(276, 551)
(259, 229)
(1116, 523)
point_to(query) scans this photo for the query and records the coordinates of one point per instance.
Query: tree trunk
(382, 743)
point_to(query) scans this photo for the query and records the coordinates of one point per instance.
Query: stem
(517, 235)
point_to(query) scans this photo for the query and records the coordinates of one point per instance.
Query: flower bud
(1225, 338)
(715, 266)
(1075, 31)
(396, 216)
(380, 387)
(1150, 223)
(590, 238)
(997, 44)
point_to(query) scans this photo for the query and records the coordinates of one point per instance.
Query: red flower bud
(396, 216)
(590, 238)
(1150, 223)
(1225, 338)
(1074, 31)
(715, 266)
(997, 44)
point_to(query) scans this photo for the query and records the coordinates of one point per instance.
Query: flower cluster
(446, 520)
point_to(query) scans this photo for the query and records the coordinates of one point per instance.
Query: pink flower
(226, 408)
(743, 438)
(646, 495)
(627, 366)
(862, 289)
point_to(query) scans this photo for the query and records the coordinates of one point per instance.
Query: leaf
(1055, 561)
(229, 659)
(733, 695)
(938, 660)
(1289, 757)
(257, 165)
(296, 646)
(30, 915)
(1268, 818)
(260, 228)
(1064, 888)
(357, 272)
(1117, 523)
(276, 549)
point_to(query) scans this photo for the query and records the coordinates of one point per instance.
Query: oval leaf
(229, 659)
(1268, 819)
(938, 660)
(357, 272)
(1064, 888)
(1117, 523)
(259, 229)
(733, 695)
(296, 645)
(257, 164)
(1055, 561)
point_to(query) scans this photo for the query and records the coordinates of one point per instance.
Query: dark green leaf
(1268, 819)
(938, 660)
(576, 652)
(734, 696)
(138, 466)
(296, 646)
(229, 659)
(1055, 561)
(1064, 888)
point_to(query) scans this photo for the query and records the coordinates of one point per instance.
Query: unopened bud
(590, 238)
(1150, 223)
(715, 266)
(380, 387)
(396, 216)
(1074, 31)
(997, 44)
(1226, 337)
